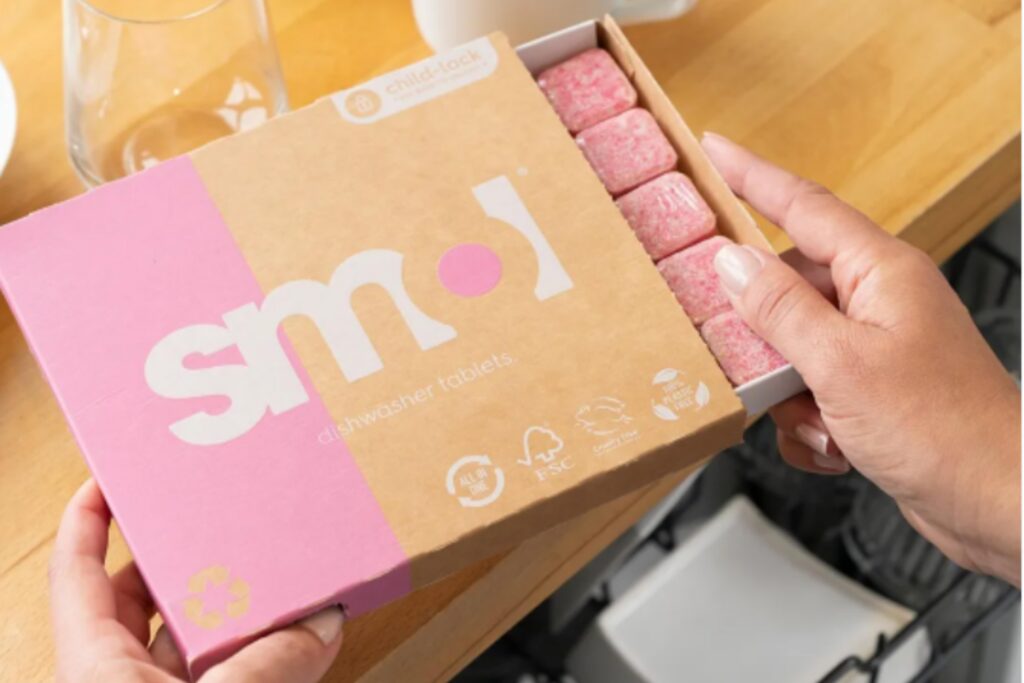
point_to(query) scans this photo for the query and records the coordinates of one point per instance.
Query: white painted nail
(736, 266)
(814, 438)
(831, 463)
(325, 624)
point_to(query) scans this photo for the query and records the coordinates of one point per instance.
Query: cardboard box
(733, 219)
(375, 340)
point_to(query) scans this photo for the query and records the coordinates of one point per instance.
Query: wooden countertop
(909, 109)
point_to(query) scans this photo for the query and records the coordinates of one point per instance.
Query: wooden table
(909, 109)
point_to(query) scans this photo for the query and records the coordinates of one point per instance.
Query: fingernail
(813, 437)
(831, 463)
(325, 624)
(712, 138)
(736, 266)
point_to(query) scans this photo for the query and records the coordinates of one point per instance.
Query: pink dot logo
(469, 270)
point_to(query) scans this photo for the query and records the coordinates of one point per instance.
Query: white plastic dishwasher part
(742, 601)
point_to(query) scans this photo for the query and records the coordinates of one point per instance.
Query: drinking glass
(146, 80)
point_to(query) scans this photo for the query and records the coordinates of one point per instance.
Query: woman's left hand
(101, 622)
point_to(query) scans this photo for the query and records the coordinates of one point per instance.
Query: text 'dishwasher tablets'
(587, 89)
(667, 214)
(627, 150)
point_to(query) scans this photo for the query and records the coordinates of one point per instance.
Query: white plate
(8, 117)
(740, 600)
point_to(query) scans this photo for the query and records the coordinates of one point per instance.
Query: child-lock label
(417, 83)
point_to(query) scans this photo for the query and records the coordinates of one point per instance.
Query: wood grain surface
(909, 109)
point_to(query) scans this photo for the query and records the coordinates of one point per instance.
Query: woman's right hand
(902, 385)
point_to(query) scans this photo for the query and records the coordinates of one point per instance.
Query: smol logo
(362, 103)
(266, 381)
(204, 582)
(475, 481)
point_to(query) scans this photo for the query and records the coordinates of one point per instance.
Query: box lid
(349, 352)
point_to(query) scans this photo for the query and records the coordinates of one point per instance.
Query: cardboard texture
(377, 339)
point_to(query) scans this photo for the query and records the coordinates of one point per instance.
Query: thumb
(780, 305)
(301, 653)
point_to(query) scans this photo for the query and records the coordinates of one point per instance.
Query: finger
(166, 655)
(819, 276)
(78, 579)
(800, 418)
(820, 224)
(803, 458)
(300, 653)
(134, 605)
(81, 593)
(783, 308)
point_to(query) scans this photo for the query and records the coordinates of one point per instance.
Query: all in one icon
(475, 481)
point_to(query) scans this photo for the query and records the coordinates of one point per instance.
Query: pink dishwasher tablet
(743, 355)
(627, 150)
(587, 89)
(691, 275)
(667, 214)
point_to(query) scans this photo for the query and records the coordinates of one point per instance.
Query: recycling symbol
(199, 585)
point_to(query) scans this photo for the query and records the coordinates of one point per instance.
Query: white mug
(446, 23)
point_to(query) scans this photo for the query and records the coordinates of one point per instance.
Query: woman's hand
(902, 385)
(101, 623)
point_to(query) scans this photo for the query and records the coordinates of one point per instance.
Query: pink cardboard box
(303, 362)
